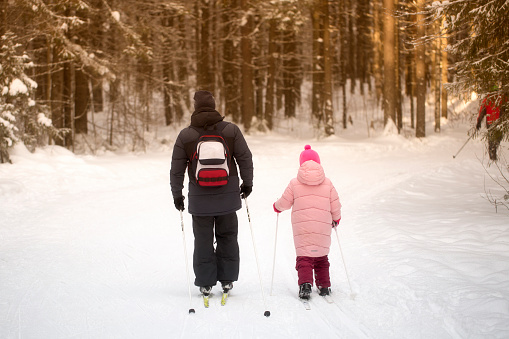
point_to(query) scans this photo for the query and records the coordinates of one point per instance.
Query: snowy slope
(92, 247)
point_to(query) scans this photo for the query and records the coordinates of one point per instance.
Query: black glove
(245, 191)
(179, 203)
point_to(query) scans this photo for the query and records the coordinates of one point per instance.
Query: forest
(138, 63)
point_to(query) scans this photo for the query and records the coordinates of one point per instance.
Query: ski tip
(191, 311)
(267, 314)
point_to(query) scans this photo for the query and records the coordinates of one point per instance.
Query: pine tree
(21, 119)
(478, 32)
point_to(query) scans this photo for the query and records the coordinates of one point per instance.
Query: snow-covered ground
(92, 247)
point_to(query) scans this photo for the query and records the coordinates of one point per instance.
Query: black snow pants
(222, 262)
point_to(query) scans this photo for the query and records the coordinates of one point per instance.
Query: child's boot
(305, 291)
(323, 291)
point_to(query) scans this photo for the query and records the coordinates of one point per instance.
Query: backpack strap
(190, 146)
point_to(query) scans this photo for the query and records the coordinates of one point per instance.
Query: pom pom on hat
(308, 154)
(204, 99)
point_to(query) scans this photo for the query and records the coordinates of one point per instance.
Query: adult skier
(492, 108)
(213, 205)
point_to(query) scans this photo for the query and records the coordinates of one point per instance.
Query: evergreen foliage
(479, 41)
(21, 118)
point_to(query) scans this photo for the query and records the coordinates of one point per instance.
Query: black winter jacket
(211, 201)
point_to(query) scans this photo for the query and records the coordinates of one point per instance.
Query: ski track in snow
(92, 247)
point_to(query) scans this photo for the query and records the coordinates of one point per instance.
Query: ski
(205, 292)
(224, 298)
(305, 303)
(328, 298)
(227, 286)
(206, 300)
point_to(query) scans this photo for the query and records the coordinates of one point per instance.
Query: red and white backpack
(211, 158)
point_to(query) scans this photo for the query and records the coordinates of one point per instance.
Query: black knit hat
(204, 99)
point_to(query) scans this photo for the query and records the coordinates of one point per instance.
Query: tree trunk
(389, 63)
(247, 69)
(271, 75)
(377, 55)
(205, 76)
(343, 58)
(82, 100)
(97, 40)
(167, 70)
(231, 85)
(57, 94)
(363, 45)
(167, 98)
(3, 17)
(72, 102)
(167, 91)
(317, 91)
(49, 79)
(345, 117)
(183, 99)
(444, 76)
(259, 74)
(410, 80)
(352, 35)
(412, 111)
(420, 130)
(437, 76)
(327, 90)
(113, 97)
(397, 75)
(290, 71)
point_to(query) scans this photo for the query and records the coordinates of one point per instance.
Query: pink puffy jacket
(315, 204)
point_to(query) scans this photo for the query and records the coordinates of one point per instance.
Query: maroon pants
(305, 267)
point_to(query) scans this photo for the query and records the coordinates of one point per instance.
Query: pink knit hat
(308, 154)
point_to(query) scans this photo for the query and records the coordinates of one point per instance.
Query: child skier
(316, 210)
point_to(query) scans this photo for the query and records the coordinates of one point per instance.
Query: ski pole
(191, 310)
(454, 156)
(274, 261)
(344, 265)
(266, 313)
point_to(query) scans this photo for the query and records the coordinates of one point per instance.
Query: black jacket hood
(205, 116)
